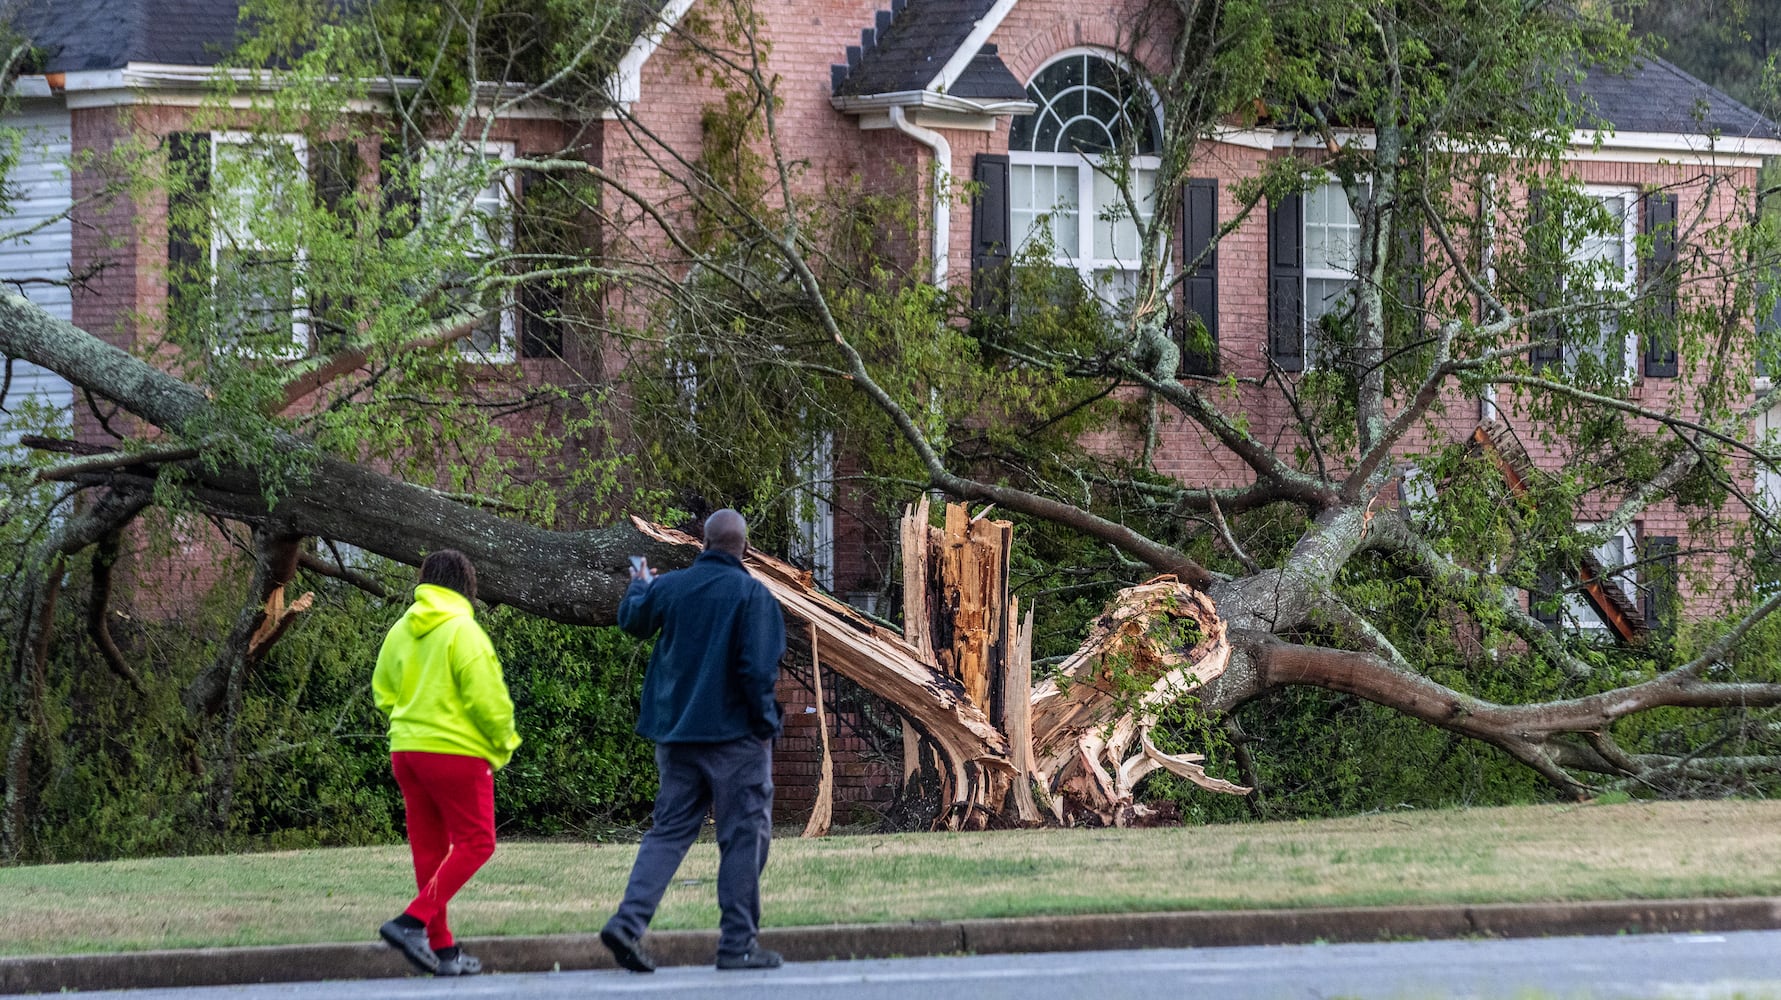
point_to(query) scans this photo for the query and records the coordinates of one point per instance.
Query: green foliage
(128, 775)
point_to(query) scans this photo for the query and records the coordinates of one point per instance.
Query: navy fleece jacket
(716, 660)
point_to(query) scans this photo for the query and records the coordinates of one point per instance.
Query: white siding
(39, 190)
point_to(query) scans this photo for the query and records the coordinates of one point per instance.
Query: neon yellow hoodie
(439, 683)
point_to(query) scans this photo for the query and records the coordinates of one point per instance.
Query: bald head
(726, 531)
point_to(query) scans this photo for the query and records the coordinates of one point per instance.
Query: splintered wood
(823, 812)
(1069, 749)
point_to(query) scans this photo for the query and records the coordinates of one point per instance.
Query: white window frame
(1768, 478)
(300, 343)
(1308, 274)
(813, 515)
(501, 210)
(1081, 257)
(1629, 236)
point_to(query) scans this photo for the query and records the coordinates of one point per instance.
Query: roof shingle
(1654, 95)
(908, 54)
(109, 34)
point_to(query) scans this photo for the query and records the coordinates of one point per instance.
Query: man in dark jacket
(708, 705)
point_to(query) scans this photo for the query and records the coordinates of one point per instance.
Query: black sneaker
(459, 965)
(412, 943)
(754, 958)
(627, 951)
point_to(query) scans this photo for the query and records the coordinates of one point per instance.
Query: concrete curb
(1205, 928)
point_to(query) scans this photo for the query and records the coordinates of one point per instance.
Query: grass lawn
(1633, 850)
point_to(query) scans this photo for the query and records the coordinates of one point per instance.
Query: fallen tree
(1293, 566)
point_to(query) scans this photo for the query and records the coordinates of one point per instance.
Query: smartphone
(640, 568)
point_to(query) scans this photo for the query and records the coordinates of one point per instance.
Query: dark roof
(1654, 95)
(986, 79)
(906, 47)
(108, 34)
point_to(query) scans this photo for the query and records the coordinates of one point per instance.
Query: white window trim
(507, 350)
(813, 518)
(300, 343)
(1629, 236)
(1081, 258)
(1307, 275)
(1767, 479)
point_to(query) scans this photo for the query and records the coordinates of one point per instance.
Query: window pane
(1116, 286)
(1325, 296)
(1117, 235)
(1064, 226)
(1085, 103)
(1317, 247)
(1332, 231)
(262, 180)
(256, 298)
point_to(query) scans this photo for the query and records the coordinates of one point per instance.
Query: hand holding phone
(640, 569)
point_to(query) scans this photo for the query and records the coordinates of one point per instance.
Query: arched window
(1088, 108)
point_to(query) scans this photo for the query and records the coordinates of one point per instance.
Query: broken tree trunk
(960, 674)
(1092, 722)
(880, 661)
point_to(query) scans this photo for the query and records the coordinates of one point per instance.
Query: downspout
(942, 203)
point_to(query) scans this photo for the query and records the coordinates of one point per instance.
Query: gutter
(942, 206)
(928, 100)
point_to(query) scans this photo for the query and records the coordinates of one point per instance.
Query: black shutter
(1286, 283)
(537, 231)
(1546, 586)
(1768, 326)
(992, 226)
(1544, 277)
(1199, 226)
(188, 215)
(1659, 222)
(400, 198)
(1657, 584)
(334, 173)
(1410, 282)
(333, 179)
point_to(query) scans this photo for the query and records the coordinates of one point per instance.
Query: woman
(451, 726)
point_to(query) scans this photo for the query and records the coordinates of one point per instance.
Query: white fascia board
(1251, 138)
(1291, 139)
(181, 86)
(625, 86)
(31, 86)
(1673, 147)
(960, 112)
(1623, 147)
(980, 32)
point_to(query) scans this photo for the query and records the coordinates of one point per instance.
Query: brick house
(996, 92)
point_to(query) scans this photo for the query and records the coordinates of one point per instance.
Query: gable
(909, 46)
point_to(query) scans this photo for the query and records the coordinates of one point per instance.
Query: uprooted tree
(762, 315)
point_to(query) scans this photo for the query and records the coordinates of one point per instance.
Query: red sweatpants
(450, 801)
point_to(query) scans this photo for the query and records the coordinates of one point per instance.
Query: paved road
(1744, 965)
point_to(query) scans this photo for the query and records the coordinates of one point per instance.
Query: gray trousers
(734, 781)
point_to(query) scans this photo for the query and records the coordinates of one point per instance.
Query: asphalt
(1100, 932)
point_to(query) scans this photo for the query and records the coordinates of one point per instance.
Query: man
(708, 705)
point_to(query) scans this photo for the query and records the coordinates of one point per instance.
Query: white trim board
(625, 86)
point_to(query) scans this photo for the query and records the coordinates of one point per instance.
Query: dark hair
(450, 568)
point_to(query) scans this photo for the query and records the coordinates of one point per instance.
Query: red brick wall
(864, 783)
